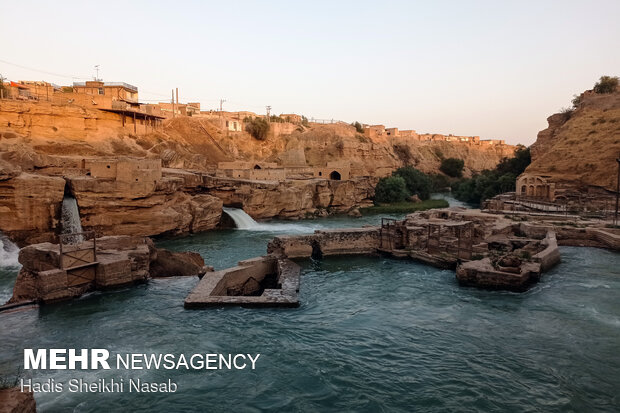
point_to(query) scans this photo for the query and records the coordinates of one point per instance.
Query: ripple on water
(371, 334)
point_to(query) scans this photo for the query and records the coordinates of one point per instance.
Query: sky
(496, 69)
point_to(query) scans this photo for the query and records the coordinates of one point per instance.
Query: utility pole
(97, 71)
(268, 112)
(173, 108)
(177, 90)
(617, 191)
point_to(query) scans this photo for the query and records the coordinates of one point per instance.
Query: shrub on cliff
(418, 183)
(606, 84)
(358, 127)
(452, 167)
(258, 128)
(390, 190)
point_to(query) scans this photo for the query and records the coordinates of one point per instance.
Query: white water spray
(245, 222)
(70, 219)
(8, 252)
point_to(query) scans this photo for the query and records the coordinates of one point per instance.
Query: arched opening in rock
(335, 175)
(257, 167)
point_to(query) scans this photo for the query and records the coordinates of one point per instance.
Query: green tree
(517, 164)
(606, 84)
(258, 128)
(390, 190)
(304, 121)
(489, 183)
(452, 167)
(417, 182)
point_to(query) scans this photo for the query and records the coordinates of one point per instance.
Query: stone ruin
(485, 250)
(257, 282)
(55, 272)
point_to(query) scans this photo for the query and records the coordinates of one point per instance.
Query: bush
(517, 164)
(358, 127)
(390, 190)
(439, 182)
(493, 182)
(258, 128)
(606, 84)
(416, 182)
(304, 121)
(452, 167)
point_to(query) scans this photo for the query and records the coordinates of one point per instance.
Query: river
(371, 334)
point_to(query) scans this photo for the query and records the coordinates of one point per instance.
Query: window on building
(101, 91)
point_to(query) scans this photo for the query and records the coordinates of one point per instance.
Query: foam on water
(245, 222)
(71, 223)
(8, 252)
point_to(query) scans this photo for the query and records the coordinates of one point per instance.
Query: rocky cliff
(44, 149)
(580, 147)
(32, 133)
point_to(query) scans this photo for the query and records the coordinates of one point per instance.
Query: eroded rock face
(111, 207)
(579, 149)
(30, 207)
(292, 199)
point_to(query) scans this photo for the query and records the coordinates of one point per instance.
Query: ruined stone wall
(354, 241)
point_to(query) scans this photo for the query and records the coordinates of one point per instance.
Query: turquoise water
(371, 334)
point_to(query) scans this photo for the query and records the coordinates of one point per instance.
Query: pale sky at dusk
(490, 68)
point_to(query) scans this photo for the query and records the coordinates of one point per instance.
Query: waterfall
(70, 219)
(242, 220)
(8, 252)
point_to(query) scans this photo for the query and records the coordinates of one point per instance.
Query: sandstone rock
(580, 149)
(415, 198)
(206, 212)
(30, 207)
(177, 264)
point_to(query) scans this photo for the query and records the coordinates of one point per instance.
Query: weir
(241, 218)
